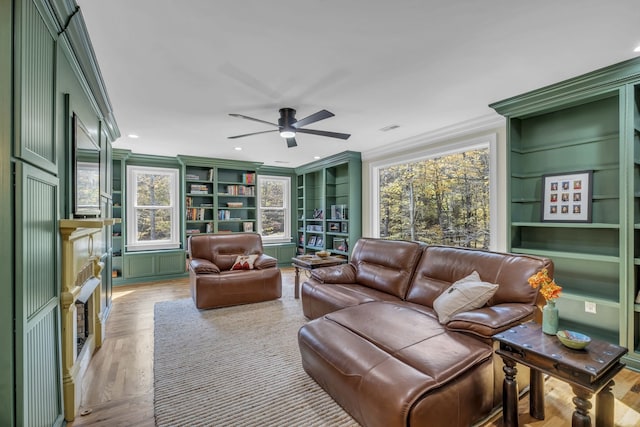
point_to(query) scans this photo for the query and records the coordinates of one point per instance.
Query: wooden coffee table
(310, 263)
(589, 371)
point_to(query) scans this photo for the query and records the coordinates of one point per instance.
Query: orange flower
(548, 287)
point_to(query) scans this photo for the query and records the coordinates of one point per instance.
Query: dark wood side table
(589, 371)
(311, 263)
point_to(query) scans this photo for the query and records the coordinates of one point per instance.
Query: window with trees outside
(441, 199)
(274, 218)
(152, 208)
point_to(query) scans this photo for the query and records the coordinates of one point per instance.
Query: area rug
(236, 366)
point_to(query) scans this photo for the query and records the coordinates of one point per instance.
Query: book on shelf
(240, 190)
(192, 231)
(198, 189)
(191, 177)
(196, 214)
(189, 202)
(210, 175)
(224, 214)
(247, 227)
(249, 178)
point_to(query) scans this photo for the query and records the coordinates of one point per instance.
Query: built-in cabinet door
(38, 353)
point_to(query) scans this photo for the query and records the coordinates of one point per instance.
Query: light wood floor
(118, 387)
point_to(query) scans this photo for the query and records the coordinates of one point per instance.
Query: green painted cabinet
(329, 204)
(589, 123)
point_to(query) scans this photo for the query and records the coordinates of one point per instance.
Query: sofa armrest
(344, 273)
(488, 321)
(265, 261)
(203, 266)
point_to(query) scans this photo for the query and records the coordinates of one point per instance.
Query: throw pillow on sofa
(466, 294)
(244, 262)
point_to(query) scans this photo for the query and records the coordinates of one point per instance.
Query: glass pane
(273, 223)
(443, 200)
(153, 224)
(272, 193)
(153, 190)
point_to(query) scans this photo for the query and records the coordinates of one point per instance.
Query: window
(438, 197)
(274, 219)
(152, 208)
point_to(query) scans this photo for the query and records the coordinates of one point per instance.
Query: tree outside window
(152, 214)
(274, 216)
(441, 200)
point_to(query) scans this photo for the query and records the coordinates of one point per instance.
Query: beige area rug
(236, 366)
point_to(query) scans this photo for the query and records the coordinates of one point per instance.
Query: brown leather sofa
(214, 282)
(377, 346)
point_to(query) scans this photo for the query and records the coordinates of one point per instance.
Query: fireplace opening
(82, 325)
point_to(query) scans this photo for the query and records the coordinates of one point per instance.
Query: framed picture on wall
(344, 227)
(567, 197)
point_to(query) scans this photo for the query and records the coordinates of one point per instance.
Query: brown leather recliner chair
(216, 277)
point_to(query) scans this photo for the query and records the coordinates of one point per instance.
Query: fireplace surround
(82, 249)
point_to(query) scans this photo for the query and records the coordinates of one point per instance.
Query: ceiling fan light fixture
(287, 134)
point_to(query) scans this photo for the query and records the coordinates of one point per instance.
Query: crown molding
(478, 124)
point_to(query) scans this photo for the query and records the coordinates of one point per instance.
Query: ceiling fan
(288, 126)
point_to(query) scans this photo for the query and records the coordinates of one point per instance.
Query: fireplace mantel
(82, 249)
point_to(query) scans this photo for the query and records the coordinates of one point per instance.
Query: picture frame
(312, 241)
(567, 197)
(334, 227)
(319, 241)
(344, 227)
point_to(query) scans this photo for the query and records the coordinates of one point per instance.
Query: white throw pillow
(466, 294)
(244, 262)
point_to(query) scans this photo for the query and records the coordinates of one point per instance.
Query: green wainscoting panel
(35, 89)
(38, 353)
(283, 252)
(153, 265)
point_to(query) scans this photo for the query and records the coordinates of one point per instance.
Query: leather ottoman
(389, 364)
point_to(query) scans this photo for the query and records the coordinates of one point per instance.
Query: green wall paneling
(585, 123)
(282, 252)
(35, 86)
(154, 264)
(7, 381)
(39, 385)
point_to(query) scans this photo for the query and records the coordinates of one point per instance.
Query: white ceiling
(175, 69)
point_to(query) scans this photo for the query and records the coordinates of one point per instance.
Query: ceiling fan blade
(291, 142)
(251, 118)
(325, 133)
(249, 134)
(315, 117)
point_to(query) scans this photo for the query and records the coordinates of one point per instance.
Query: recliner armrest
(265, 261)
(488, 321)
(344, 273)
(203, 266)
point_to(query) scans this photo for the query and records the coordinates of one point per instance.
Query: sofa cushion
(385, 265)
(357, 352)
(244, 262)
(466, 294)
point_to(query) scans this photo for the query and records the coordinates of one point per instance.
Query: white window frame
(132, 243)
(487, 141)
(286, 208)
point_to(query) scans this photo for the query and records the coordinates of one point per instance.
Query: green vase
(550, 318)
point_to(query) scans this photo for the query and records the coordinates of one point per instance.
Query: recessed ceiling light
(637, 49)
(238, 148)
(316, 157)
(133, 136)
(282, 161)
